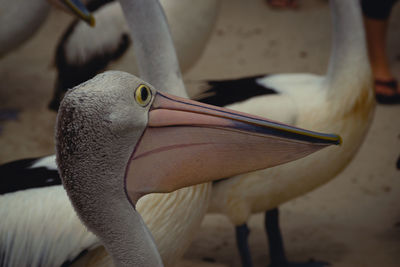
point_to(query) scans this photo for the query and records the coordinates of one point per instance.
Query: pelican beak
(79, 9)
(187, 143)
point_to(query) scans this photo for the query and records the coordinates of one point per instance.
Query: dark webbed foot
(310, 263)
(242, 233)
(276, 248)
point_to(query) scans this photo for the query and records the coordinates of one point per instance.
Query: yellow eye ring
(143, 95)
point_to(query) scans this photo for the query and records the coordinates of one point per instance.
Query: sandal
(385, 98)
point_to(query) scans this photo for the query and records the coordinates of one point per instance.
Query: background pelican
(83, 51)
(341, 101)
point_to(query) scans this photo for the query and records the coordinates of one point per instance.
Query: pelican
(118, 139)
(162, 214)
(20, 19)
(342, 101)
(83, 51)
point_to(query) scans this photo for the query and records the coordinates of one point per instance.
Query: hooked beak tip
(334, 139)
(340, 140)
(91, 21)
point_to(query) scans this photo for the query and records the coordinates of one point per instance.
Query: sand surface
(352, 221)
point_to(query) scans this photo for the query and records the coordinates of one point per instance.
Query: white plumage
(29, 216)
(46, 162)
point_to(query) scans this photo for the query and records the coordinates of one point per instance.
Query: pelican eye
(143, 95)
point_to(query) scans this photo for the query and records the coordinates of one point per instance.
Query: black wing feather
(18, 175)
(226, 92)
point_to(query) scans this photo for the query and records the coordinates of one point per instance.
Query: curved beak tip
(336, 139)
(91, 21)
(340, 140)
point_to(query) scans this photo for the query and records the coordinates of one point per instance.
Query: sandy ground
(352, 221)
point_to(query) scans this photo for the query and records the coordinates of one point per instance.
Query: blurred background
(352, 221)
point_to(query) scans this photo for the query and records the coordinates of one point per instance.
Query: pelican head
(118, 139)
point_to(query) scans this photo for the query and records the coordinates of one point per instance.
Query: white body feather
(86, 41)
(40, 228)
(46, 162)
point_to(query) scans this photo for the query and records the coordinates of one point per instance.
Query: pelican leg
(242, 233)
(275, 241)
